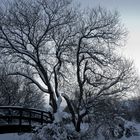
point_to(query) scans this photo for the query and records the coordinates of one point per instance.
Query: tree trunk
(78, 125)
(53, 103)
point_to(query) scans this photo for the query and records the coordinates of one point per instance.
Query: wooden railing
(22, 119)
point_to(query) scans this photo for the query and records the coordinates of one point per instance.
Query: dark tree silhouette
(17, 91)
(66, 49)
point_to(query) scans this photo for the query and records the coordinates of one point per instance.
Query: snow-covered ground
(27, 136)
(14, 136)
(131, 138)
(137, 126)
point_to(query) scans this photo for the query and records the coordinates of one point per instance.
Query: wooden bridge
(18, 119)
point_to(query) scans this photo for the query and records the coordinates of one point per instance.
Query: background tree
(17, 91)
(132, 106)
(67, 50)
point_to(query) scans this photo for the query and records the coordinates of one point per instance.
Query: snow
(58, 115)
(131, 138)
(15, 136)
(84, 127)
(137, 126)
(61, 134)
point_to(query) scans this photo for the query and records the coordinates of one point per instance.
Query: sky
(129, 11)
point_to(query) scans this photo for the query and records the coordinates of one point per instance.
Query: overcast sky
(130, 17)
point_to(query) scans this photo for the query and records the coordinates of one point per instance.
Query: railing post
(30, 115)
(41, 118)
(20, 117)
(9, 116)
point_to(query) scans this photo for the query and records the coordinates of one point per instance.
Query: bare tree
(65, 48)
(8, 88)
(100, 71)
(17, 91)
(27, 30)
(110, 82)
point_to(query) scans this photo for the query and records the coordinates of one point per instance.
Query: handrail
(24, 114)
(19, 107)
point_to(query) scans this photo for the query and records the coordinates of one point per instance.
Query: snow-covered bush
(56, 131)
(131, 129)
(113, 130)
(51, 132)
(122, 128)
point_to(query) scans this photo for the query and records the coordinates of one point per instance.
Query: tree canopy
(70, 51)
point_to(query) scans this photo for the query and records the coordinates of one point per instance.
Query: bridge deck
(16, 129)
